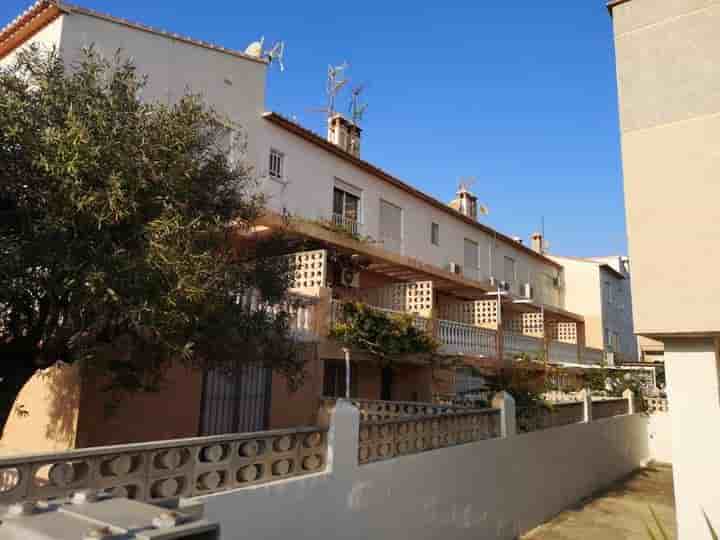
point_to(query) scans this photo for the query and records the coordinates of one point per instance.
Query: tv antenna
(357, 108)
(273, 55)
(464, 186)
(336, 81)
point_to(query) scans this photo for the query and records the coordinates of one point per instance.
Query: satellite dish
(274, 54)
(255, 48)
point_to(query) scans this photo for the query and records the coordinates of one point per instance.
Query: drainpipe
(347, 372)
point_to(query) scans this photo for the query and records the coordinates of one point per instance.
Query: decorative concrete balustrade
(378, 410)
(461, 338)
(545, 417)
(606, 408)
(381, 440)
(161, 471)
(656, 405)
(519, 343)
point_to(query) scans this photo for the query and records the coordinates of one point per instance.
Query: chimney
(466, 203)
(344, 134)
(537, 243)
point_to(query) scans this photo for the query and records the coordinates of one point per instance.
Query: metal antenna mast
(335, 82)
(357, 108)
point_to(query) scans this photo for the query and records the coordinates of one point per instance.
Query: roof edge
(25, 20)
(614, 3)
(316, 139)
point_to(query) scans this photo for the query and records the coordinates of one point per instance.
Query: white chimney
(537, 242)
(344, 134)
(466, 203)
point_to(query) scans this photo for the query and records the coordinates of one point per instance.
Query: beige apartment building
(486, 297)
(668, 71)
(600, 287)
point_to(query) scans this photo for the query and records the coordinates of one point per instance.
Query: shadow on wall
(44, 417)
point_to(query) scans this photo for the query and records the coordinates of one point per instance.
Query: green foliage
(116, 217)
(336, 228)
(385, 337)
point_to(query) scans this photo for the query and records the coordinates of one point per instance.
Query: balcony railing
(563, 352)
(593, 356)
(461, 338)
(421, 323)
(301, 309)
(514, 344)
(347, 224)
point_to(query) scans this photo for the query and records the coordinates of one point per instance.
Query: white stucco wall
(490, 489)
(311, 172)
(236, 88)
(660, 437)
(46, 39)
(693, 376)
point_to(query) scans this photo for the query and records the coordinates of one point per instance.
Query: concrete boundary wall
(497, 488)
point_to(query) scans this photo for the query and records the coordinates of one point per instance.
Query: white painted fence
(490, 489)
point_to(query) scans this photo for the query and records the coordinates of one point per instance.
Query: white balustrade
(563, 352)
(519, 343)
(593, 356)
(350, 225)
(461, 338)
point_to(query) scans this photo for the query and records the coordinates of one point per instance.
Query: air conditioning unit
(455, 268)
(349, 278)
(526, 290)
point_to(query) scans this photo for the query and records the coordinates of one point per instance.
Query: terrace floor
(620, 513)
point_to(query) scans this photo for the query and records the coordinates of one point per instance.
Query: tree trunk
(10, 385)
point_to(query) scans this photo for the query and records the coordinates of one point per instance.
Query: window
(346, 205)
(435, 234)
(276, 165)
(391, 226)
(471, 259)
(334, 379)
(607, 289)
(510, 274)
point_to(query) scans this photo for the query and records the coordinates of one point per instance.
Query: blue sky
(519, 94)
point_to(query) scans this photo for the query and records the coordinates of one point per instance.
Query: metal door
(236, 401)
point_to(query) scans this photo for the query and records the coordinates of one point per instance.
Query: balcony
(349, 225)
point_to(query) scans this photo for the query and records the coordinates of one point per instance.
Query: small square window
(435, 234)
(277, 163)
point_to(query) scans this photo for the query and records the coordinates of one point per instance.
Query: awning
(379, 260)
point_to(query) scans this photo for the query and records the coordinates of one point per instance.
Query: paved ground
(621, 513)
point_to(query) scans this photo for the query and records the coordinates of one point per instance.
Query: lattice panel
(419, 297)
(478, 313)
(415, 297)
(309, 270)
(565, 332)
(532, 324)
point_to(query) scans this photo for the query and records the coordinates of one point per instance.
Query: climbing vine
(385, 337)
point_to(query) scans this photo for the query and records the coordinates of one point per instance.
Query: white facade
(235, 86)
(599, 288)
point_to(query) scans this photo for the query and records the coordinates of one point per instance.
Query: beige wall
(494, 489)
(583, 295)
(171, 413)
(45, 414)
(668, 66)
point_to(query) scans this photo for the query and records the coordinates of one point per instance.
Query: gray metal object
(104, 519)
